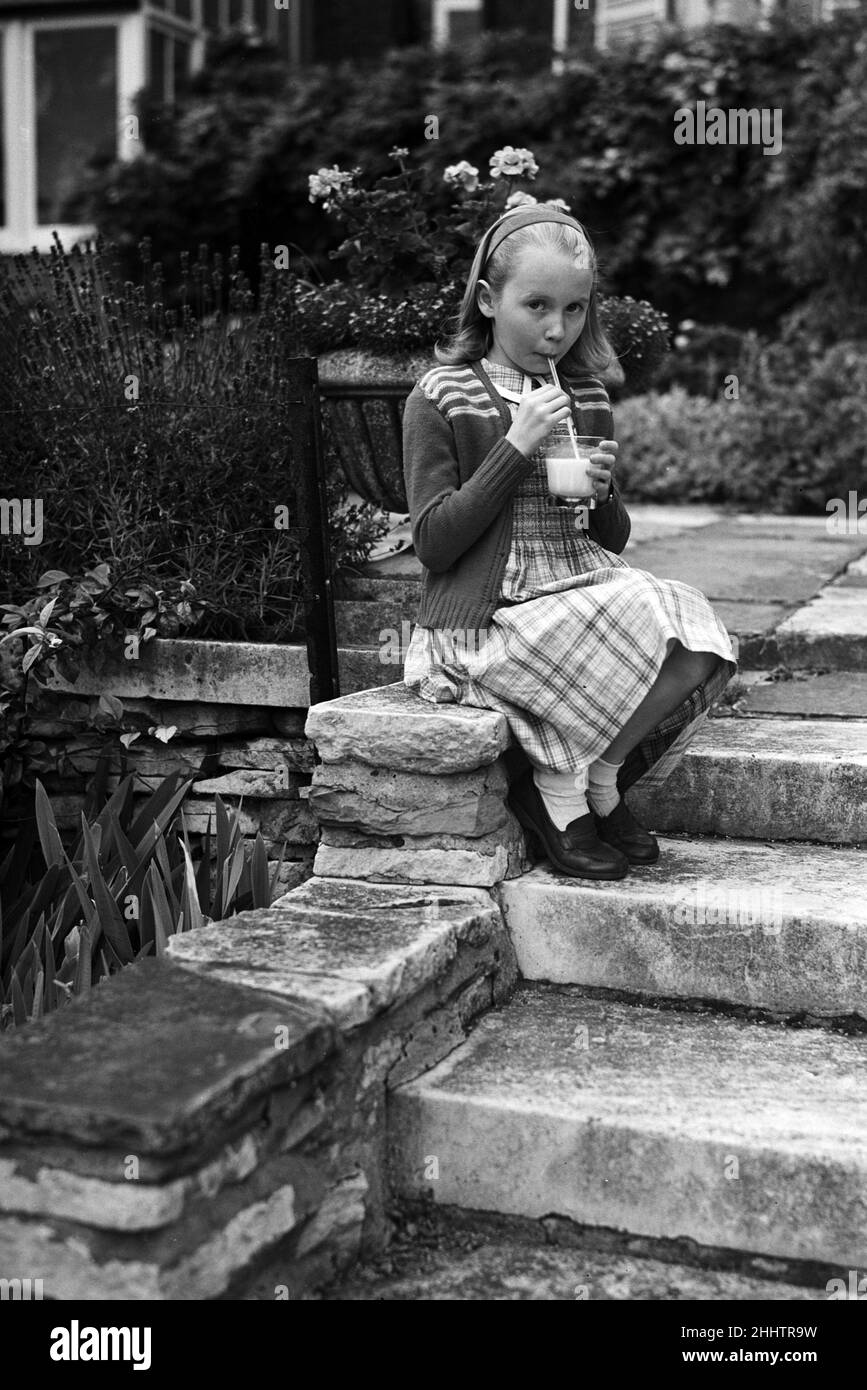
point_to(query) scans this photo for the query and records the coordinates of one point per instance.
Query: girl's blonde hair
(474, 332)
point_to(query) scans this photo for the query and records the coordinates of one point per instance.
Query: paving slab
(752, 624)
(665, 1124)
(781, 928)
(766, 779)
(829, 631)
(727, 560)
(817, 695)
(652, 522)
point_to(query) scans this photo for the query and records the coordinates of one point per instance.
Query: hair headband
(525, 217)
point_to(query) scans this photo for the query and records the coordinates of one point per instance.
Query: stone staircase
(685, 1056)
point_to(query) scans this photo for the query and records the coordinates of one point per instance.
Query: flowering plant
(399, 233)
(409, 243)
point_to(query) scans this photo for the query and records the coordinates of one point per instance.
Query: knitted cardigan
(461, 474)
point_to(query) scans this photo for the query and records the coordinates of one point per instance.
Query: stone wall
(234, 729)
(212, 1123)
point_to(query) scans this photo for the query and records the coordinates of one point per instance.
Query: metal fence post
(307, 465)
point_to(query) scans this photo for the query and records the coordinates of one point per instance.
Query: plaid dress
(579, 644)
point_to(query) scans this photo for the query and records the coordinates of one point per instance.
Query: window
(76, 111)
(211, 15)
(169, 57)
(455, 21)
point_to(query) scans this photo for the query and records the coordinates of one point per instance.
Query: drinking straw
(572, 434)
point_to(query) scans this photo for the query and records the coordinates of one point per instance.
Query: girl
(603, 672)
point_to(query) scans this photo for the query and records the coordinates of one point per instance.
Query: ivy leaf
(45, 614)
(111, 705)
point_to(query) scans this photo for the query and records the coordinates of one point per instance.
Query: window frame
(22, 229)
(441, 14)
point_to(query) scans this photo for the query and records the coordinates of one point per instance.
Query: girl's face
(540, 312)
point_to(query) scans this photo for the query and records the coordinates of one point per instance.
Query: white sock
(564, 794)
(602, 786)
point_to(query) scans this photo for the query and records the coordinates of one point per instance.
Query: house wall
(362, 30)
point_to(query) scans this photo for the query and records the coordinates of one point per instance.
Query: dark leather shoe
(577, 850)
(622, 830)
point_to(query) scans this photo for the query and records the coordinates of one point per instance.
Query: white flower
(399, 152)
(463, 175)
(519, 200)
(512, 164)
(557, 203)
(681, 341)
(327, 181)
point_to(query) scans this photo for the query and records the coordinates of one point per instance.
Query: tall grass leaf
(120, 802)
(49, 838)
(19, 1009)
(224, 841)
(128, 856)
(192, 909)
(259, 884)
(110, 918)
(164, 923)
(38, 1006)
(87, 908)
(164, 815)
(160, 799)
(162, 858)
(18, 946)
(276, 873)
(50, 1001)
(232, 873)
(146, 928)
(203, 872)
(35, 898)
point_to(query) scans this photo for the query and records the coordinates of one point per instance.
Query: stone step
(807, 695)
(781, 928)
(359, 668)
(737, 1136)
(364, 622)
(829, 632)
(766, 779)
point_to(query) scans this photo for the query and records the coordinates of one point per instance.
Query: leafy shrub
(704, 355)
(791, 441)
(67, 924)
(719, 233)
(157, 438)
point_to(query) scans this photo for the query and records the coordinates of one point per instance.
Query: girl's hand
(537, 415)
(602, 462)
